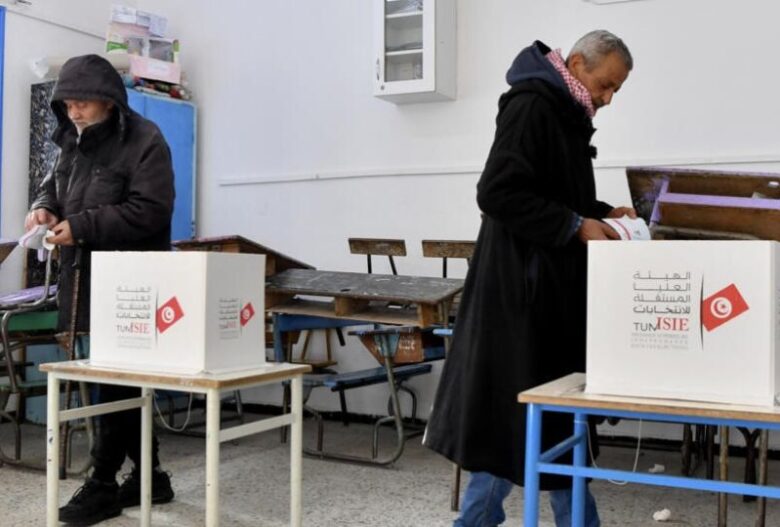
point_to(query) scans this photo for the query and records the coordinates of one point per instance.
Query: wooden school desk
(308, 299)
(205, 383)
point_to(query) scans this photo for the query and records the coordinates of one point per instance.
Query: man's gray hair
(597, 44)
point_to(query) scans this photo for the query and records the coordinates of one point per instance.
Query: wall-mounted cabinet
(415, 50)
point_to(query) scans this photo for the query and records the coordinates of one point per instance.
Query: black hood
(531, 63)
(532, 71)
(88, 77)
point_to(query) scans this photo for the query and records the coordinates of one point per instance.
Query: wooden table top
(569, 391)
(232, 379)
(6, 247)
(235, 243)
(364, 286)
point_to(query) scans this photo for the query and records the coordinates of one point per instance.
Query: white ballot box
(184, 312)
(693, 320)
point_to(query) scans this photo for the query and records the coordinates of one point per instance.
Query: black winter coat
(114, 185)
(522, 317)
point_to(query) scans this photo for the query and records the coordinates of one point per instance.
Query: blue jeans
(484, 497)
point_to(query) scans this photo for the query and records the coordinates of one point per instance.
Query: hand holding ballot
(621, 223)
(591, 229)
(630, 228)
(36, 238)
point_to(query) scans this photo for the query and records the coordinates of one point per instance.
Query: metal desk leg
(296, 452)
(686, 450)
(396, 418)
(146, 457)
(580, 460)
(52, 451)
(212, 458)
(762, 475)
(455, 491)
(533, 449)
(388, 344)
(723, 503)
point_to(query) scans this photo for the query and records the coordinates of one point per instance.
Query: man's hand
(596, 230)
(62, 234)
(619, 212)
(40, 217)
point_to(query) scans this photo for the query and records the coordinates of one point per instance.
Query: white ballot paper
(629, 228)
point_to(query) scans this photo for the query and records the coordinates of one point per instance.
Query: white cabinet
(415, 50)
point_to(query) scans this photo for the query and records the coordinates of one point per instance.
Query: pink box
(159, 70)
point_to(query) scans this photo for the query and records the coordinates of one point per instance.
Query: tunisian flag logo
(168, 314)
(247, 312)
(719, 308)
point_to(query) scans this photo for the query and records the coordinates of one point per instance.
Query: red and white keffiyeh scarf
(576, 88)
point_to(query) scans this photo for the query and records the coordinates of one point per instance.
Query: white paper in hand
(35, 239)
(629, 228)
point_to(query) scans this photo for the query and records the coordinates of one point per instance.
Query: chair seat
(355, 379)
(23, 296)
(30, 388)
(33, 321)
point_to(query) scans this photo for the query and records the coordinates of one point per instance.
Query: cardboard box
(139, 34)
(694, 320)
(153, 69)
(185, 312)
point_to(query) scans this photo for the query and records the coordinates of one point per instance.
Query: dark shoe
(130, 491)
(94, 502)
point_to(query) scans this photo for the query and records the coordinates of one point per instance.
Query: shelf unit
(415, 42)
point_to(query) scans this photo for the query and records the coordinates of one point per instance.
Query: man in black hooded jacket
(111, 189)
(521, 321)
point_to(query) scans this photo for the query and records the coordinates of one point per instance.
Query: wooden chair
(27, 317)
(378, 247)
(446, 249)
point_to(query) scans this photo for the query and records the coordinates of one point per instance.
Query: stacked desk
(308, 299)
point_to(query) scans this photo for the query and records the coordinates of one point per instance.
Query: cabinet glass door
(403, 40)
(404, 65)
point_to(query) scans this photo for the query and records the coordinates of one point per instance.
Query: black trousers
(118, 434)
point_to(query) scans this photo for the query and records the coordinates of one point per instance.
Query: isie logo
(716, 310)
(663, 324)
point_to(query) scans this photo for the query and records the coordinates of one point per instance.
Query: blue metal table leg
(580, 460)
(533, 447)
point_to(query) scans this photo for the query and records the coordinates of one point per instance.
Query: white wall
(296, 153)
(72, 30)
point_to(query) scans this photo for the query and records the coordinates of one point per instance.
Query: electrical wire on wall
(600, 2)
(37, 11)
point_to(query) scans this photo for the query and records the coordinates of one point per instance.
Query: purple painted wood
(719, 201)
(655, 217)
(25, 295)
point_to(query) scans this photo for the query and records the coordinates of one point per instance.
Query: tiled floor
(413, 493)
